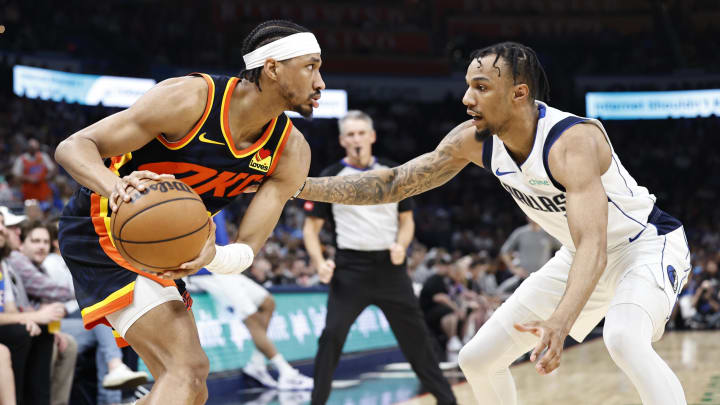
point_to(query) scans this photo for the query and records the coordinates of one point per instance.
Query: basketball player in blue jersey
(219, 135)
(622, 257)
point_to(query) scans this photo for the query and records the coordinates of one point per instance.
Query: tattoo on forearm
(389, 185)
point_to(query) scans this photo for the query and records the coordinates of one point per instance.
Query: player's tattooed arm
(380, 186)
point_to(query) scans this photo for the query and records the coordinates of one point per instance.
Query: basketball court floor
(587, 376)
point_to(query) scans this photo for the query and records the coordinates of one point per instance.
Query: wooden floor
(587, 375)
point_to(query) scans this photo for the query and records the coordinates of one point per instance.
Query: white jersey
(543, 199)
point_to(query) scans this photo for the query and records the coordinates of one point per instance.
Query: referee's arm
(311, 237)
(405, 234)
(406, 229)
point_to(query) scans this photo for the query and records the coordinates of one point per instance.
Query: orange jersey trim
(281, 145)
(119, 161)
(119, 341)
(175, 145)
(225, 125)
(95, 314)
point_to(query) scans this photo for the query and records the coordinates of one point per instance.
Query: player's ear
(373, 136)
(521, 92)
(271, 68)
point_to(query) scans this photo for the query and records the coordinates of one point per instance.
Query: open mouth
(475, 116)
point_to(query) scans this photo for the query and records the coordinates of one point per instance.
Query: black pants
(366, 278)
(30, 362)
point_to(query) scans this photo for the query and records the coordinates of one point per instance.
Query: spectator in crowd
(42, 289)
(418, 268)
(112, 373)
(526, 250)
(261, 271)
(706, 298)
(35, 169)
(255, 306)
(444, 309)
(30, 347)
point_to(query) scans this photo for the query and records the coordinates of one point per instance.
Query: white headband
(285, 48)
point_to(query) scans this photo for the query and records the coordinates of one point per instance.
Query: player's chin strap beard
(482, 134)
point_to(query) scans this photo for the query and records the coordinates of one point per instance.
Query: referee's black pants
(362, 279)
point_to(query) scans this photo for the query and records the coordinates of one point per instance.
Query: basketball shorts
(648, 272)
(104, 281)
(237, 291)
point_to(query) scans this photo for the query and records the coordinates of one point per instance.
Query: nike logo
(634, 238)
(499, 173)
(203, 139)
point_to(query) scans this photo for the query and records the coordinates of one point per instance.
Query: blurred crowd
(408, 37)
(669, 157)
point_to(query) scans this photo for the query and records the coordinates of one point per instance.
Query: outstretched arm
(380, 186)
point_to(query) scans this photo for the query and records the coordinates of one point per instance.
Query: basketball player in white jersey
(622, 257)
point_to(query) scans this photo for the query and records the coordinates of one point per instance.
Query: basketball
(161, 227)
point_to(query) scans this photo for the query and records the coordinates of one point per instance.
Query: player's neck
(519, 133)
(251, 110)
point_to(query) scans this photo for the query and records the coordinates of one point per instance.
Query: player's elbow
(62, 151)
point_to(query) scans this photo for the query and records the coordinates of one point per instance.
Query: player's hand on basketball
(397, 254)
(325, 270)
(552, 337)
(134, 181)
(207, 254)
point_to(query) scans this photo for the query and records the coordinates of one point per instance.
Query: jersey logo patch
(499, 173)
(672, 276)
(261, 160)
(204, 139)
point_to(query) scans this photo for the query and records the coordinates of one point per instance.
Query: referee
(371, 244)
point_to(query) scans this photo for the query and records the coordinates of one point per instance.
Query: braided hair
(523, 63)
(263, 34)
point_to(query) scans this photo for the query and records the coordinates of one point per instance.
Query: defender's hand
(397, 254)
(325, 270)
(134, 181)
(552, 336)
(207, 254)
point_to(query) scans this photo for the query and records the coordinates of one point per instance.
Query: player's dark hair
(265, 33)
(523, 63)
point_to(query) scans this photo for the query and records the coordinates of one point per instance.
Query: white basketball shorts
(648, 272)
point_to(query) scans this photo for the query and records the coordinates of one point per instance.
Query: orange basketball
(161, 227)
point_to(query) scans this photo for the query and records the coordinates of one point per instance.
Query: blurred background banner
(295, 328)
(636, 105)
(109, 91)
(114, 91)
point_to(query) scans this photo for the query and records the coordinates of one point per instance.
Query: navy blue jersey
(205, 159)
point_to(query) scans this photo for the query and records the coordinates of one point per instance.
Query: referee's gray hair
(355, 115)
